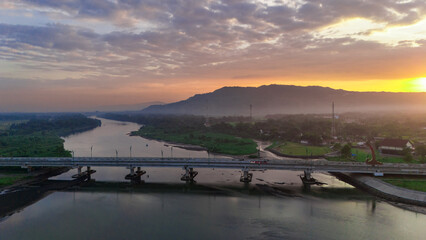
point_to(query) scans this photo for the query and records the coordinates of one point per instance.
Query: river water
(217, 206)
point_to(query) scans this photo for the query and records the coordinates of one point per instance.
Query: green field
(9, 180)
(360, 155)
(296, 149)
(214, 142)
(413, 184)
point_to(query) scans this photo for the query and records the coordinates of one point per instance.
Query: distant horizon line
(293, 85)
(225, 86)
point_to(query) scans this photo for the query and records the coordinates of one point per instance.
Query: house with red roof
(395, 146)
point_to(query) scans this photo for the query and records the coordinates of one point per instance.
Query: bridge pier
(246, 176)
(189, 174)
(135, 176)
(87, 174)
(307, 178)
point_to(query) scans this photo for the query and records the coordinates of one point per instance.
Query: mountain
(289, 99)
(126, 107)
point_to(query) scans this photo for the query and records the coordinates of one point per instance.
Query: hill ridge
(290, 99)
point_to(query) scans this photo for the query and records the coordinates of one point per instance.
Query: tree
(408, 157)
(337, 146)
(346, 151)
(421, 151)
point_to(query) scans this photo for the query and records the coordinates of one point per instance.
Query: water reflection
(98, 212)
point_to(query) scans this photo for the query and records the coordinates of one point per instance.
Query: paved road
(271, 164)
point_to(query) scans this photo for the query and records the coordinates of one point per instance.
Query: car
(259, 162)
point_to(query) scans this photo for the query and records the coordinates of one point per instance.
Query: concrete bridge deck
(245, 164)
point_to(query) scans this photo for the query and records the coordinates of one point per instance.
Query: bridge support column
(89, 176)
(89, 173)
(83, 174)
(189, 174)
(246, 176)
(135, 177)
(140, 172)
(307, 178)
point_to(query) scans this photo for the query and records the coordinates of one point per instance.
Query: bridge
(188, 164)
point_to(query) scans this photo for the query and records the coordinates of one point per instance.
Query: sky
(69, 55)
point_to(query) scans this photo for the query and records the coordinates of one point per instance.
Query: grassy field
(214, 142)
(413, 184)
(297, 149)
(360, 155)
(9, 180)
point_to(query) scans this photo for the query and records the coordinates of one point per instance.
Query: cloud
(131, 42)
(53, 36)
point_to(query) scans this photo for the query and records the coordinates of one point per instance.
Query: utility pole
(333, 126)
(207, 123)
(251, 112)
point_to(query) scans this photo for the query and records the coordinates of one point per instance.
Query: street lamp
(171, 151)
(130, 151)
(116, 153)
(91, 151)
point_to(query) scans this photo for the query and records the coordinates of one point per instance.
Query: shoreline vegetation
(26, 135)
(297, 149)
(212, 142)
(188, 130)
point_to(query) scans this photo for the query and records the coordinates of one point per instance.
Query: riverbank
(384, 190)
(42, 137)
(291, 149)
(28, 190)
(33, 177)
(15, 201)
(198, 140)
(185, 146)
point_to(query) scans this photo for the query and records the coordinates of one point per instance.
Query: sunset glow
(421, 84)
(92, 53)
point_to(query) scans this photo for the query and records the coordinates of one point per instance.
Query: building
(395, 146)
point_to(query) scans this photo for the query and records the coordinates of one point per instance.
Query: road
(247, 164)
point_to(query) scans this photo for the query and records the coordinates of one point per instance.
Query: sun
(420, 84)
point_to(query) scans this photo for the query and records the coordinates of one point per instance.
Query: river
(217, 206)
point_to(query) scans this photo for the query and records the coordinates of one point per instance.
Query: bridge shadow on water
(15, 200)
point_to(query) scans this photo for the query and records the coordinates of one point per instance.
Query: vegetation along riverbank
(35, 135)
